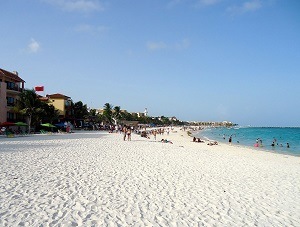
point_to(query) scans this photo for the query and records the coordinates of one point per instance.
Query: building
(11, 85)
(62, 103)
(141, 114)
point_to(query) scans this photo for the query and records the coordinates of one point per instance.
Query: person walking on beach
(129, 134)
(154, 134)
(124, 132)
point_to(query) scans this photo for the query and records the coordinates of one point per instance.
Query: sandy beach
(97, 179)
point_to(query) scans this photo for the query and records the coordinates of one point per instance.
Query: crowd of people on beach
(127, 131)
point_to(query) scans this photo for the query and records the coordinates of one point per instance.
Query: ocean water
(247, 136)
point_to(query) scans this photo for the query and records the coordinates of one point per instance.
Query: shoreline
(281, 150)
(96, 178)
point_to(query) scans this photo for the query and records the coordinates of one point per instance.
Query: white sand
(86, 179)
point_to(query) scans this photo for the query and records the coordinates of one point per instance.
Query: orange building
(11, 85)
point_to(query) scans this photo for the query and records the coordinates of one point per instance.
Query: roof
(10, 75)
(44, 98)
(57, 96)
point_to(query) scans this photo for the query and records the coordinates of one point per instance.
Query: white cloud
(245, 7)
(77, 5)
(153, 46)
(33, 46)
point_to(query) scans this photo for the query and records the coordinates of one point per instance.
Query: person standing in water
(230, 140)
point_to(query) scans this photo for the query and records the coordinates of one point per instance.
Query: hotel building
(62, 103)
(11, 85)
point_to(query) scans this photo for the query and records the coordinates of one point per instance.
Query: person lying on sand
(144, 134)
(210, 143)
(166, 141)
(198, 140)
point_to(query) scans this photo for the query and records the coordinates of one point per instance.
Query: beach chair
(10, 134)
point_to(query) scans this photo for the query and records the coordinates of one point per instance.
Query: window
(10, 101)
(68, 102)
(10, 116)
(11, 85)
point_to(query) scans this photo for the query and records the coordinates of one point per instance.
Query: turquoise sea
(247, 136)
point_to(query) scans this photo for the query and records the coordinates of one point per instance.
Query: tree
(80, 110)
(117, 114)
(93, 116)
(50, 114)
(93, 112)
(29, 105)
(108, 112)
(165, 120)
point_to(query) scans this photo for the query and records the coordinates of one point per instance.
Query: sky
(198, 60)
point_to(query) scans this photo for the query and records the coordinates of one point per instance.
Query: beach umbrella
(48, 125)
(6, 124)
(20, 124)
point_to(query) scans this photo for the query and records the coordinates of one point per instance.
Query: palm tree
(108, 112)
(117, 114)
(28, 105)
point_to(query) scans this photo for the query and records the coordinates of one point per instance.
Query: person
(124, 132)
(199, 140)
(2, 131)
(211, 143)
(194, 139)
(144, 134)
(287, 145)
(129, 134)
(273, 144)
(260, 143)
(154, 134)
(166, 141)
(230, 140)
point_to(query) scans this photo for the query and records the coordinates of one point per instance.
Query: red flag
(39, 88)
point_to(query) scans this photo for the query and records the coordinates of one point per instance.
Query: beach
(97, 179)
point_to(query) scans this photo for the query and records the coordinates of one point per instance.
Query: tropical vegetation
(35, 111)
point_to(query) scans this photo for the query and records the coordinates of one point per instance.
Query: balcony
(10, 104)
(14, 89)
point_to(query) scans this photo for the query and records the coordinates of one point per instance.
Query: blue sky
(202, 60)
